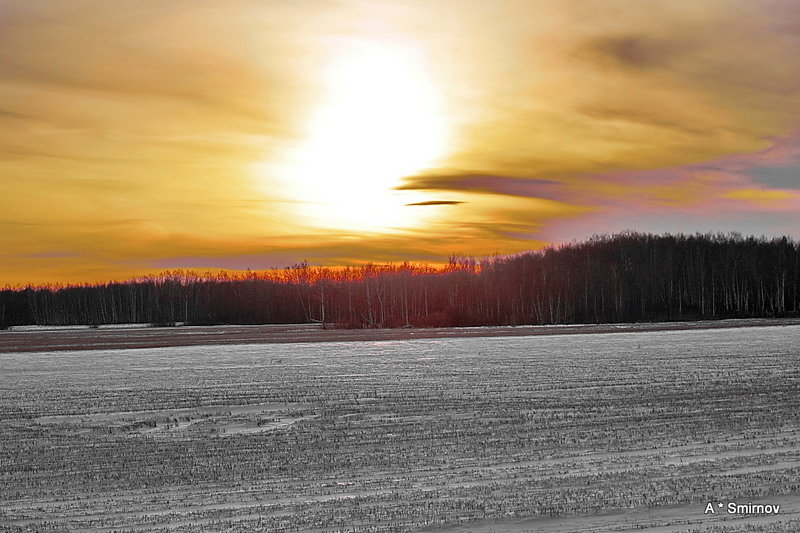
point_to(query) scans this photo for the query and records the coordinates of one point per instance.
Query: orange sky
(140, 135)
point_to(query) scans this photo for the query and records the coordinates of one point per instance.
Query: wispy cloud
(131, 128)
(436, 202)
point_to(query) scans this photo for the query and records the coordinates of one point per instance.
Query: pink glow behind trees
(628, 277)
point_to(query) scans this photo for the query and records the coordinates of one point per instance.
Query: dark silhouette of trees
(629, 277)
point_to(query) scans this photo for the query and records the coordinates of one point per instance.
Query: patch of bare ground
(561, 433)
(67, 338)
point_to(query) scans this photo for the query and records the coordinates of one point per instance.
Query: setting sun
(380, 120)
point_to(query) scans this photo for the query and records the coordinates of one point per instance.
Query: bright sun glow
(380, 121)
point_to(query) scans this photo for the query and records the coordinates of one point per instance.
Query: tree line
(628, 277)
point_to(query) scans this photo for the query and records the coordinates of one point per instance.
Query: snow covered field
(633, 431)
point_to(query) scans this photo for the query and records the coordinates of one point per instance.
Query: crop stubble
(550, 433)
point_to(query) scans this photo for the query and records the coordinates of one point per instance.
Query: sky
(143, 135)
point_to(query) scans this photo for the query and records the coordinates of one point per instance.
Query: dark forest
(629, 277)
